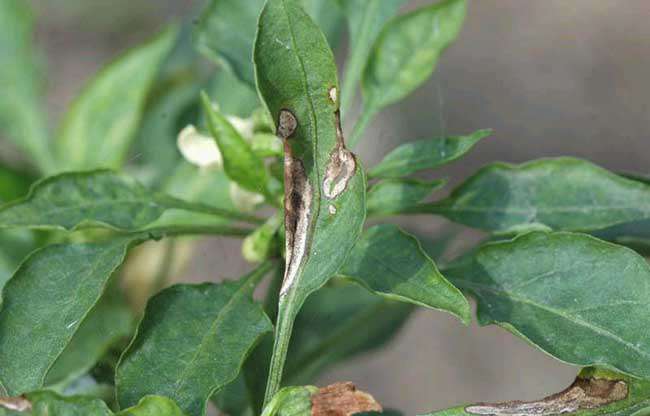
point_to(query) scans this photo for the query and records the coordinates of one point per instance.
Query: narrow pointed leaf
(391, 263)
(407, 51)
(561, 194)
(580, 299)
(365, 19)
(240, 162)
(45, 303)
(71, 201)
(425, 154)
(102, 122)
(393, 196)
(191, 342)
(22, 118)
(324, 183)
(594, 392)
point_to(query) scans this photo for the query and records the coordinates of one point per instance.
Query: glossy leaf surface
(191, 342)
(425, 154)
(391, 263)
(45, 303)
(580, 299)
(561, 194)
(71, 201)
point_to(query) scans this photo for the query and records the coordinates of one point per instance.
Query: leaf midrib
(580, 322)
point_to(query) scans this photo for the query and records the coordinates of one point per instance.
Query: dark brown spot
(287, 124)
(584, 393)
(342, 399)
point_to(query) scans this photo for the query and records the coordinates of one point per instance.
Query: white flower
(244, 200)
(199, 149)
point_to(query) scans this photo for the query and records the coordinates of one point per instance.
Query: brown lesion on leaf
(341, 166)
(297, 201)
(18, 404)
(342, 399)
(583, 394)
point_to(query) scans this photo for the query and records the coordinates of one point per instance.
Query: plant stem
(284, 326)
(361, 126)
(172, 231)
(207, 209)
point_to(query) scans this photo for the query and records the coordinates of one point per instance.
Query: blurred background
(551, 78)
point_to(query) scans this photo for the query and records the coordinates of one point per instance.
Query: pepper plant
(164, 146)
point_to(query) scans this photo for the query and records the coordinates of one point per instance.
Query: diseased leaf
(71, 201)
(22, 118)
(407, 51)
(191, 342)
(365, 20)
(561, 194)
(99, 128)
(391, 263)
(324, 183)
(240, 163)
(339, 322)
(393, 196)
(107, 323)
(594, 392)
(425, 154)
(580, 299)
(45, 303)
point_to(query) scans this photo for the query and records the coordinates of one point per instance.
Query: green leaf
(153, 406)
(240, 163)
(291, 401)
(226, 32)
(99, 128)
(562, 194)
(339, 322)
(324, 186)
(580, 299)
(391, 263)
(71, 201)
(47, 403)
(425, 154)
(22, 118)
(191, 342)
(393, 196)
(45, 303)
(365, 19)
(13, 184)
(264, 242)
(407, 51)
(107, 323)
(594, 392)
(234, 97)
